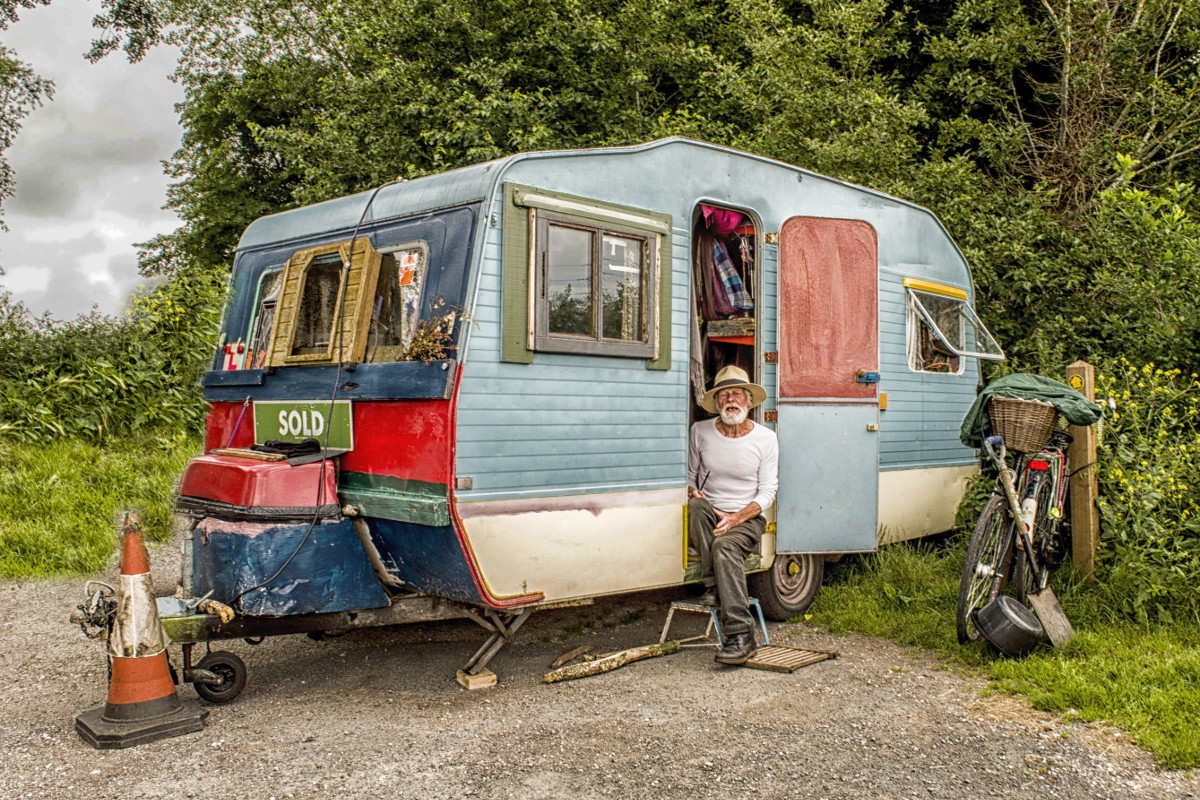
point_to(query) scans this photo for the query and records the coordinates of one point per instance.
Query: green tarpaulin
(1071, 404)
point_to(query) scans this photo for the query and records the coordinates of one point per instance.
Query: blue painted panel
(400, 380)
(329, 572)
(232, 377)
(828, 478)
(427, 558)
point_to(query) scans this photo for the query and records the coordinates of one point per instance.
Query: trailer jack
(503, 628)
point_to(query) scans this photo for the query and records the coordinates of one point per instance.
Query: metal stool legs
(714, 623)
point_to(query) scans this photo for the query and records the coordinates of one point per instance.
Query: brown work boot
(738, 649)
(709, 598)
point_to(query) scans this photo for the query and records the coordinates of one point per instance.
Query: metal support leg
(502, 631)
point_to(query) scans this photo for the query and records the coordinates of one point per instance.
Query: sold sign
(330, 423)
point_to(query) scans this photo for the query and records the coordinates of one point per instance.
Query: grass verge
(1144, 679)
(60, 502)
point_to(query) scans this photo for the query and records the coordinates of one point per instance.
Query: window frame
(521, 312)
(256, 316)
(377, 354)
(917, 315)
(351, 318)
(558, 342)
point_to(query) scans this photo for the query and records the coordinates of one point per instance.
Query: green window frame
(537, 223)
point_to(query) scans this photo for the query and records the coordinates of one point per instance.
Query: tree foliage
(21, 91)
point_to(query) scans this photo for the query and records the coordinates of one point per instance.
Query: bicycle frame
(1049, 464)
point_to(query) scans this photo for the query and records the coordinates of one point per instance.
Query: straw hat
(732, 377)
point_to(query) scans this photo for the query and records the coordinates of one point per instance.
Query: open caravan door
(828, 410)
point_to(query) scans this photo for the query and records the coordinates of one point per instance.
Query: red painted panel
(222, 417)
(406, 438)
(403, 438)
(828, 307)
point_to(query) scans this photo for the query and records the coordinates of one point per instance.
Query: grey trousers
(722, 559)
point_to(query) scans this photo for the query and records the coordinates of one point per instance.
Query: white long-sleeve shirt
(734, 472)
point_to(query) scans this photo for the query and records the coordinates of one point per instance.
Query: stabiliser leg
(502, 628)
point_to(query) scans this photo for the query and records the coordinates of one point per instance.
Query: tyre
(789, 586)
(985, 570)
(231, 670)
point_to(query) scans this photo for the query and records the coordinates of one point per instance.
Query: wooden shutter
(352, 315)
(358, 301)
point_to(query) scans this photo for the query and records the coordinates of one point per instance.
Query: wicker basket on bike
(1026, 425)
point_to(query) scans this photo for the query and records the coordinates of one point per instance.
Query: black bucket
(1009, 626)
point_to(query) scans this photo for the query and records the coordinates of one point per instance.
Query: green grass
(1143, 679)
(60, 503)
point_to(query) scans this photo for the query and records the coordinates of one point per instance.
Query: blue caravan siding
(920, 426)
(570, 424)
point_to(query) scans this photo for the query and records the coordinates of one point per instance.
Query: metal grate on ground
(781, 658)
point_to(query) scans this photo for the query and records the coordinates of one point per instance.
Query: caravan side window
(264, 318)
(591, 288)
(943, 329)
(584, 276)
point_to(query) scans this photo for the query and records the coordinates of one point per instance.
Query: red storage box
(242, 488)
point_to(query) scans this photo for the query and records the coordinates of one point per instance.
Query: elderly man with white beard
(733, 475)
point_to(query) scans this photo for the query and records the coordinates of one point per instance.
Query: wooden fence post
(1085, 485)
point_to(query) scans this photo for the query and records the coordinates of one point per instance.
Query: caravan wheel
(789, 586)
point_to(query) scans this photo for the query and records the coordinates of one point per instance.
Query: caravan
(500, 364)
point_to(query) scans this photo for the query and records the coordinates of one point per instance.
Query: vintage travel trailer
(500, 365)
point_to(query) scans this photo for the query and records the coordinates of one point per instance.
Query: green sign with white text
(330, 423)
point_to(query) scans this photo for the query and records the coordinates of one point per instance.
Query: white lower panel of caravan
(918, 502)
(605, 544)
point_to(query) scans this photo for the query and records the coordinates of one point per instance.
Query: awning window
(952, 320)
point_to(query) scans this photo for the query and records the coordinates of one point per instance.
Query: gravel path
(377, 714)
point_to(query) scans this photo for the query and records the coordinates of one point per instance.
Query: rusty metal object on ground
(782, 658)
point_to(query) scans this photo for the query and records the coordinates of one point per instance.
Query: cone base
(102, 734)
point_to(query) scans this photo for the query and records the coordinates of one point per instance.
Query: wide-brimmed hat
(732, 377)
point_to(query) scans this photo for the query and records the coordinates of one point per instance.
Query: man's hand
(693, 492)
(731, 519)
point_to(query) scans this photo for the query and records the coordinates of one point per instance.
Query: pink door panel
(828, 308)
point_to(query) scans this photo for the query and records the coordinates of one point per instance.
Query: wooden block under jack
(483, 679)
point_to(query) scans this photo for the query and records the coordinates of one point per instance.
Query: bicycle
(1004, 556)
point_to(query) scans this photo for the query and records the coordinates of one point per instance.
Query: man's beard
(734, 416)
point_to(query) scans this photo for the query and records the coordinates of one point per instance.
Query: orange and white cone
(142, 705)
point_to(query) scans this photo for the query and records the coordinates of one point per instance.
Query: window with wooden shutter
(324, 308)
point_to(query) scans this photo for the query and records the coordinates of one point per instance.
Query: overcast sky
(89, 178)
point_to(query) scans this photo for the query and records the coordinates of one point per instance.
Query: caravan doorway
(726, 285)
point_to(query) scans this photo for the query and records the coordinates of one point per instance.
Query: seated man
(733, 474)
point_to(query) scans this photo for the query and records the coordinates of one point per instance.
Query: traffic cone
(142, 705)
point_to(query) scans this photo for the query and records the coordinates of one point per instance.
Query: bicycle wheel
(989, 555)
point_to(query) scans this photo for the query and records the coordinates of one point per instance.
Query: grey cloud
(104, 119)
(69, 295)
(94, 149)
